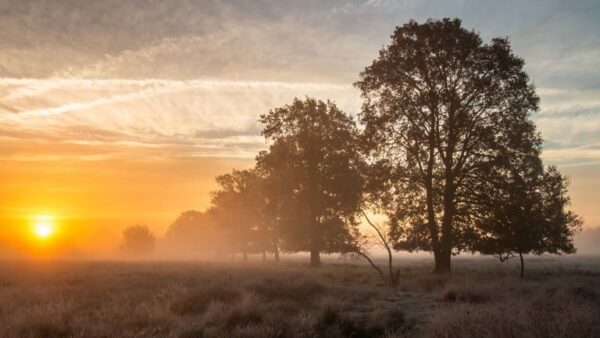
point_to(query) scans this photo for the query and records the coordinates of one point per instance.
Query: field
(482, 298)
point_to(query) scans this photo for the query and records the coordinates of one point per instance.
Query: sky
(119, 112)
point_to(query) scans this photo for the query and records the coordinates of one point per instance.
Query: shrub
(302, 290)
(426, 283)
(227, 316)
(45, 329)
(465, 295)
(390, 319)
(197, 302)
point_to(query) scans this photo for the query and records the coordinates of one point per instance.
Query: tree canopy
(193, 233)
(524, 206)
(437, 103)
(138, 240)
(237, 208)
(314, 158)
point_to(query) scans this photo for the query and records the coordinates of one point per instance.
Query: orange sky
(92, 201)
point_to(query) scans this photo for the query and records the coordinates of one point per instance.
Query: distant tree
(138, 240)
(238, 207)
(437, 100)
(267, 235)
(194, 232)
(279, 203)
(314, 158)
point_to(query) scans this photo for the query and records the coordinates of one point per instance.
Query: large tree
(437, 100)
(314, 164)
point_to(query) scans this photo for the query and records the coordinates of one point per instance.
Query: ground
(559, 297)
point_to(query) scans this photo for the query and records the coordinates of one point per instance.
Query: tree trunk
(245, 256)
(315, 257)
(437, 260)
(315, 244)
(431, 220)
(522, 265)
(394, 275)
(442, 261)
(276, 252)
(264, 256)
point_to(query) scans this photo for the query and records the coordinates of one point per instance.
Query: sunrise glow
(43, 226)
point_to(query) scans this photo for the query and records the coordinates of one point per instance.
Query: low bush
(197, 302)
(299, 290)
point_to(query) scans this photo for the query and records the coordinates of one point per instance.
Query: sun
(43, 226)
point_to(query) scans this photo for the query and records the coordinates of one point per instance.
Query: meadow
(344, 298)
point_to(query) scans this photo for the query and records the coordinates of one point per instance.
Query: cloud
(202, 72)
(145, 89)
(587, 241)
(163, 118)
(569, 121)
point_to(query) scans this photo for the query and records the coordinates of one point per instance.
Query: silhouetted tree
(138, 240)
(437, 99)
(524, 206)
(314, 160)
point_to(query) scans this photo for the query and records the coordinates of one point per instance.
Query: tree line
(444, 147)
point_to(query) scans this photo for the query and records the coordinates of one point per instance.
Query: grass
(559, 298)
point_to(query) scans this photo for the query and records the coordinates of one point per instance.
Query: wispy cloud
(201, 73)
(141, 89)
(171, 118)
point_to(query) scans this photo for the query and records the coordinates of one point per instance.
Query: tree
(239, 207)
(525, 205)
(314, 161)
(437, 100)
(233, 208)
(272, 192)
(193, 233)
(138, 240)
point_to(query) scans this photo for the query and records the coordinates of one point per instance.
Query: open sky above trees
(114, 113)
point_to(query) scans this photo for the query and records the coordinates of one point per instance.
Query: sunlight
(43, 226)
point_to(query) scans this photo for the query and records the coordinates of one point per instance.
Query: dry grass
(481, 299)
(553, 306)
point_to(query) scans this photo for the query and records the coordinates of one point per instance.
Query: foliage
(437, 103)
(138, 240)
(194, 232)
(522, 206)
(237, 207)
(527, 213)
(314, 166)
